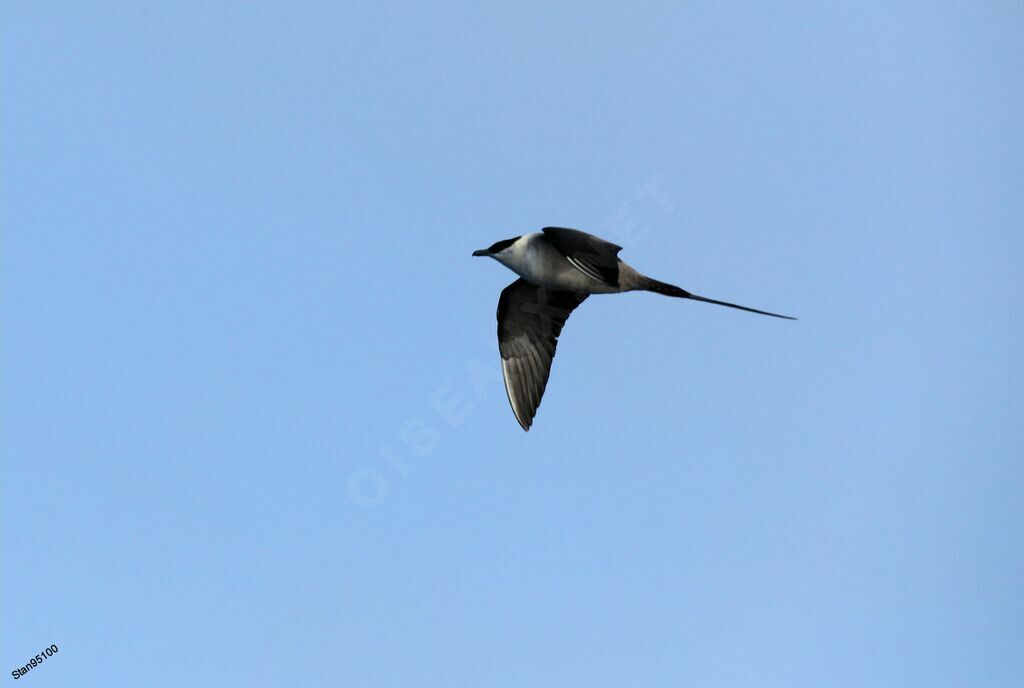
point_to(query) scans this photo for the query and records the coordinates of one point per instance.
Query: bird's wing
(589, 254)
(530, 318)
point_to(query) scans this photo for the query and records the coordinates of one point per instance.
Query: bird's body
(558, 269)
(534, 258)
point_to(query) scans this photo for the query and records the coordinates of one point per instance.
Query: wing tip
(524, 423)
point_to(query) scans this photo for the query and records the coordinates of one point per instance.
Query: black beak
(482, 252)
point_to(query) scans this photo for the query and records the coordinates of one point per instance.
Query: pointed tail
(657, 287)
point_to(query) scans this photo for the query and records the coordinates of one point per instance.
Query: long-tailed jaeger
(558, 269)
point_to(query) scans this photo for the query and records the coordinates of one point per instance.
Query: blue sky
(252, 433)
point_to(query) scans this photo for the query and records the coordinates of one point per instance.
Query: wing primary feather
(530, 319)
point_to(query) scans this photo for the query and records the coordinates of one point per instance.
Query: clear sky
(252, 429)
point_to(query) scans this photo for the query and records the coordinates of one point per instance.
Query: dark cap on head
(497, 247)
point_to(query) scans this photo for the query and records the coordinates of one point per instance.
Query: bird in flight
(558, 269)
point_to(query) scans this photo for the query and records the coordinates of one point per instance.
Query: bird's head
(496, 249)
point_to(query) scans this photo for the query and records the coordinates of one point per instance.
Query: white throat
(520, 256)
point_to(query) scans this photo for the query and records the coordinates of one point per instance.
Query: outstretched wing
(591, 255)
(530, 318)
